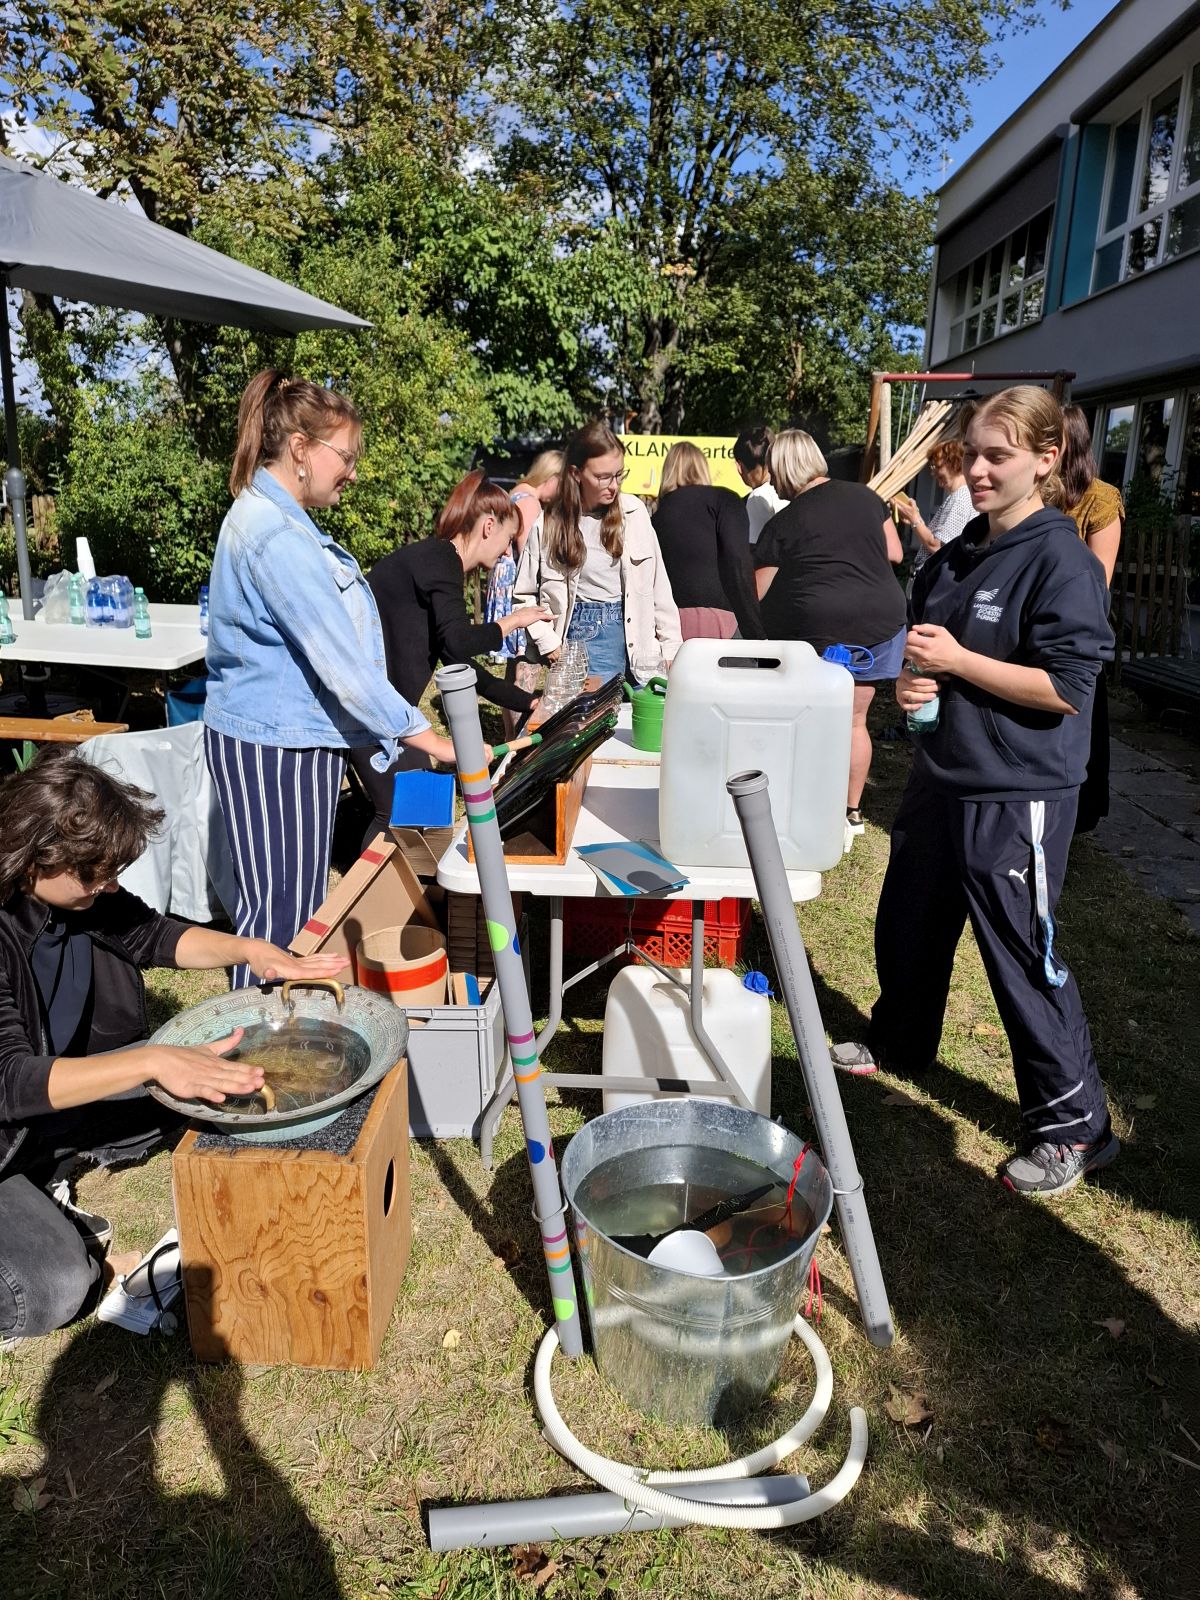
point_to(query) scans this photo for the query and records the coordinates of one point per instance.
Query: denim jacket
(295, 651)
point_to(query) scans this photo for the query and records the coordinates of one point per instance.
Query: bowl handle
(339, 993)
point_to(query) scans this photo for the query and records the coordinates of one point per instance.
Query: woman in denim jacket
(296, 667)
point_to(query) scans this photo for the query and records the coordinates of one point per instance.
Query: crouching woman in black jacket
(1010, 628)
(72, 1010)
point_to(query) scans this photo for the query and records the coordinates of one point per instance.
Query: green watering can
(648, 706)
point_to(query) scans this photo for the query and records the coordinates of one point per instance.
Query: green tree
(675, 119)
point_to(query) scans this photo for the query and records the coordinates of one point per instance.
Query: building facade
(1071, 239)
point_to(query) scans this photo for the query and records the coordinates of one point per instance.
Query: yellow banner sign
(644, 454)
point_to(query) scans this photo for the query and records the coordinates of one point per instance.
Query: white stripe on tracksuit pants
(953, 859)
(278, 807)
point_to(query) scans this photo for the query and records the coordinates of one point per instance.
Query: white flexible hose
(634, 1484)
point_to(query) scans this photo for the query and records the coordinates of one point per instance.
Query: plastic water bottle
(925, 718)
(7, 636)
(119, 593)
(204, 609)
(96, 604)
(77, 599)
(141, 614)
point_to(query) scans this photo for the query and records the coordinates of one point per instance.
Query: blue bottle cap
(758, 983)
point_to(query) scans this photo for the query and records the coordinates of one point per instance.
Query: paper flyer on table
(630, 867)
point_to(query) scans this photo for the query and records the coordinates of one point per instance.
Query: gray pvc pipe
(456, 685)
(583, 1516)
(752, 802)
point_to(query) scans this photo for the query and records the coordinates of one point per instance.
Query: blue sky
(1028, 60)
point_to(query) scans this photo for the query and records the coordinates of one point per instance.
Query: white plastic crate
(456, 1057)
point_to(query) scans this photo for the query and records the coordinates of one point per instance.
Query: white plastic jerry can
(739, 705)
(647, 1034)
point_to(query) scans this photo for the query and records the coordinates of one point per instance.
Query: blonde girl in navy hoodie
(1009, 632)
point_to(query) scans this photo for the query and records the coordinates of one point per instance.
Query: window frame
(1188, 77)
(964, 276)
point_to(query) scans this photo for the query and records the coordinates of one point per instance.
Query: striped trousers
(278, 807)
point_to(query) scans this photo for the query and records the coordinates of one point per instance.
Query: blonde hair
(274, 407)
(794, 461)
(683, 465)
(1033, 420)
(546, 466)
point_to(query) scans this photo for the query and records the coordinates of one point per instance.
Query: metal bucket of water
(697, 1350)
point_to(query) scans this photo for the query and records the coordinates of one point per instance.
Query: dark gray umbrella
(60, 240)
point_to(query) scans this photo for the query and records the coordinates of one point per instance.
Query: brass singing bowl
(318, 1052)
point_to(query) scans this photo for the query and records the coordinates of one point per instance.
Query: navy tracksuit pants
(952, 859)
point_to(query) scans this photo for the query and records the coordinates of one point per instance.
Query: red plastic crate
(663, 928)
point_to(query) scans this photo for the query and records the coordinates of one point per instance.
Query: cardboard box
(379, 891)
(456, 1054)
(423, 848)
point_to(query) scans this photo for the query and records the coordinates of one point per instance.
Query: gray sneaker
(854, 1058)
(1057, 1168)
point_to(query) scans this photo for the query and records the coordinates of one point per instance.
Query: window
(1114, 451)
(1151, 209)
(1003, 289)
(1189, 467)
(1153, 433)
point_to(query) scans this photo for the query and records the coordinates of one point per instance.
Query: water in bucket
(639, 1198)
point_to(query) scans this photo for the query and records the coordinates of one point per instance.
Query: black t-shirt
(835, 584)
(61, 959)
(705, 541)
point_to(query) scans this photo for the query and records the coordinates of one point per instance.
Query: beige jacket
(652, 633)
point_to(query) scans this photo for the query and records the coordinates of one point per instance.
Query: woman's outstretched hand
(199, 1073)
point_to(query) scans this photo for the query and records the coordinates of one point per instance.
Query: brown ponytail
(564, 537)
(274, 407)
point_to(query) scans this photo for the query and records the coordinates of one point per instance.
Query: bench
(71, 728)
(1164, 680)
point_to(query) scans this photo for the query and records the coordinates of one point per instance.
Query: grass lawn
(1050, 1349)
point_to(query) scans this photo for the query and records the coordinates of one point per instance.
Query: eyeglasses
(349, 457)
(605, 478)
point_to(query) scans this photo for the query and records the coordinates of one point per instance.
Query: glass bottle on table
(7, 635)
(77, 599)
(141, 615)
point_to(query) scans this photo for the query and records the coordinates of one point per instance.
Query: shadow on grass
(113, 1528)
(1043, 1472)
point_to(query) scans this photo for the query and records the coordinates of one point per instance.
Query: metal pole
(752, 803)
(14, 478)
(456, 685)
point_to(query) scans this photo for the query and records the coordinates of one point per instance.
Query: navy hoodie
(1034, 596)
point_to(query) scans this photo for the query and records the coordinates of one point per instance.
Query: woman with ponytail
(296, 666)
(419, 592)
(593, 559)
(1009, 631)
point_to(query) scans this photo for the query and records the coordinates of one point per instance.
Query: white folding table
(175, 641)
(620, 803)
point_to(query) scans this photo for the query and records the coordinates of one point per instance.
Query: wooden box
(546, 840)
(296, 1256)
